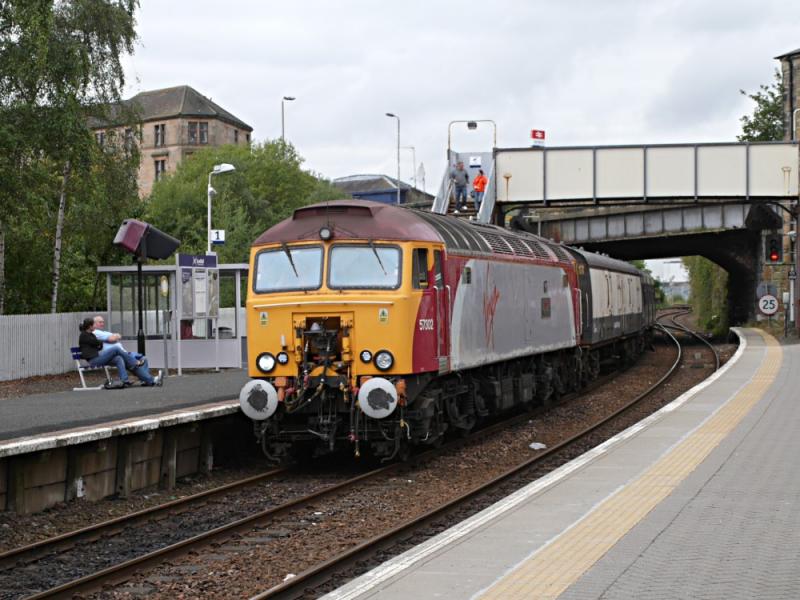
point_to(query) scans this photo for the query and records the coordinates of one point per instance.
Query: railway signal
(773, 248)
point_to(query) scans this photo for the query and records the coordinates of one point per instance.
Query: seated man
(112, 340)
(92, 351)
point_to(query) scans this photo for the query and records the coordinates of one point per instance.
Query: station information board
(199, 286)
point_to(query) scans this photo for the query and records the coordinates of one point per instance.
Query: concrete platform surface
(42, 414)
(700, 500)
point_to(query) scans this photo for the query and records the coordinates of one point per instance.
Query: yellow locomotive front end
(328, 342)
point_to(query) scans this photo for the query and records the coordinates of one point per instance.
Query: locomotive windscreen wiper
(371, 245)
(289, 256)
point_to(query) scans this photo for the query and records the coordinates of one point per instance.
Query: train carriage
(380, 326)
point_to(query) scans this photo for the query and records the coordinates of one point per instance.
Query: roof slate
(788, 54)
(368, 183)
(179, 101)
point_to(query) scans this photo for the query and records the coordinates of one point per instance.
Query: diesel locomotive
(384, 328)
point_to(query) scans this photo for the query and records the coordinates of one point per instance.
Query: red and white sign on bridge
(537, 135)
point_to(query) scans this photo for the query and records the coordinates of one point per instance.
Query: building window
(160, 135)
(100, 138)
(247, 137)
(160, 167)
(128, 139)
(198, 132)
(235, 136)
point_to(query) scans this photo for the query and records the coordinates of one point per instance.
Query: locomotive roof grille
(560, 253)
(456, 235)
(331, 210)
(497, 243)
(519, 246)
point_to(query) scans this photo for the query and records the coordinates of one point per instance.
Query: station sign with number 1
(217, 236)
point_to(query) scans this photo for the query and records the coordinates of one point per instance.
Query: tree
(766, 123)
(266, 187)
(59, 63)
(709, 291)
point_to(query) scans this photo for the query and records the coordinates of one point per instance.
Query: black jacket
(90, 345)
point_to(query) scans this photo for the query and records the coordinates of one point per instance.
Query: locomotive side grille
(497, 243)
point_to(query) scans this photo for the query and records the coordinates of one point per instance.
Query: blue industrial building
(382, 188)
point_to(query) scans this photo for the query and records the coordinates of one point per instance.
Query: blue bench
(83, 367)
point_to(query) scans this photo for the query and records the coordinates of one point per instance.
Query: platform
(39, 421)
(700, 500)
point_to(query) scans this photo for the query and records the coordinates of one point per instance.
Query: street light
(284, 101)
(471, 125)
(413, 163)
(394, 116)
(220, 168)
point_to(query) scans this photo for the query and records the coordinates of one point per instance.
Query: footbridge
(652, 201)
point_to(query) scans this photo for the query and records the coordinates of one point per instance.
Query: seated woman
(92, 351)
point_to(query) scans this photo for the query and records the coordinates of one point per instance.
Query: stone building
(790, 70)
(173, 123)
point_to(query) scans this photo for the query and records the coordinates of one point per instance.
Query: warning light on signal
(773, 248)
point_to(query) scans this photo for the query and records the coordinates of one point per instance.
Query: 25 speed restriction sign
(768, 304)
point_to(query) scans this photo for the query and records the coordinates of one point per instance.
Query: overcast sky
(587, 72)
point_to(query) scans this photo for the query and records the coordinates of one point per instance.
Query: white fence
(38, 344)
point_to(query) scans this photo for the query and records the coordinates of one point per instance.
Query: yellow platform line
(549, 572)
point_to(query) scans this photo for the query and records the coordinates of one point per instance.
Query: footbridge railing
(640, 174)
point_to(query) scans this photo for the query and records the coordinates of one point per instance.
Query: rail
(323, 571)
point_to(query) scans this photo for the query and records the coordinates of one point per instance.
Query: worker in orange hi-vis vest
(479, 188)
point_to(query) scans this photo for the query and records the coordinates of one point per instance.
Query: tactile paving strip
(558, 565)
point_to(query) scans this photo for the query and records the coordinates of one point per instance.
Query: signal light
(773, 248)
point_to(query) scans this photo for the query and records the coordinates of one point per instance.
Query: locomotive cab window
(364, 267)
(420, 268)
(288, 268)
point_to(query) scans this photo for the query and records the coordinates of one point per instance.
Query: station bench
(83, 367)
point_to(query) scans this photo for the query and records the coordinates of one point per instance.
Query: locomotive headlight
(265, 362)
(366, 356)
(325, 233)
(283, 358)
(384, 360)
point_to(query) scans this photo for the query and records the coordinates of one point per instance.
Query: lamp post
(394, 116)
(284, 100)
(413, 163)
(471, 124)
(220, 168)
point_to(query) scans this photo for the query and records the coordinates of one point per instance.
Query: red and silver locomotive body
(386, 327)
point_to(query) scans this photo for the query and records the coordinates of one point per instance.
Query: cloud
(619, 71)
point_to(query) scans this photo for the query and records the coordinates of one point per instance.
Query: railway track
(80, 540)
(308, 581)
(240, 527)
